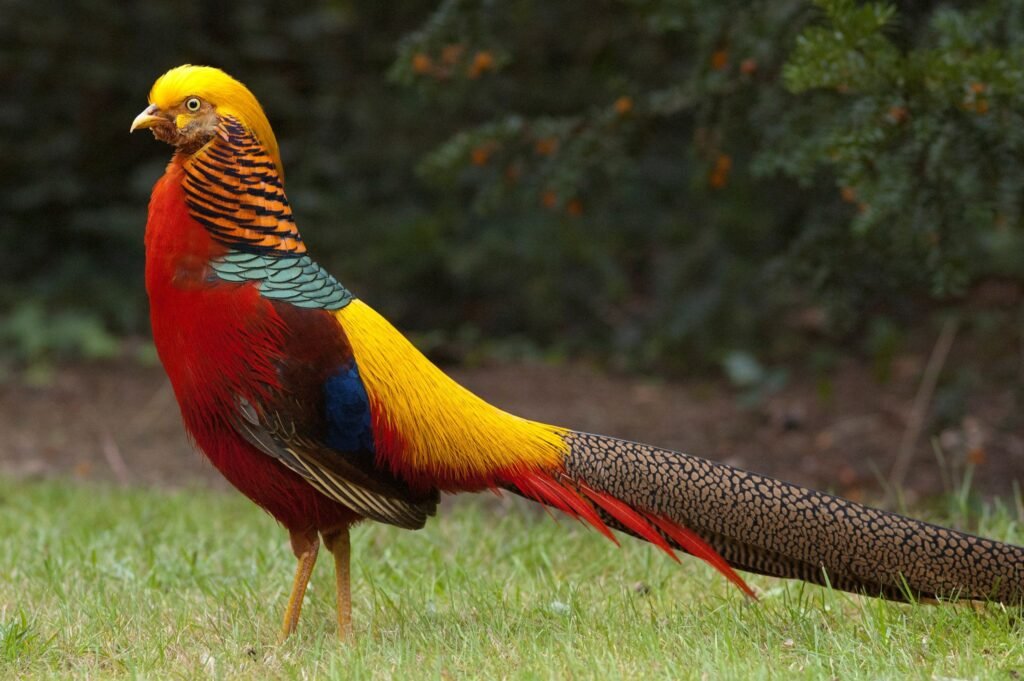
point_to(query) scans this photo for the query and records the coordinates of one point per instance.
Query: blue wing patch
(349, 425)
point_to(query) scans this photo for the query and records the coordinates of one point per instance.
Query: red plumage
(219, 343)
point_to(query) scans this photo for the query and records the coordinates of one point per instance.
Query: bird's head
(186, 105)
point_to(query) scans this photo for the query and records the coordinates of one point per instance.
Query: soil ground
(122, 423)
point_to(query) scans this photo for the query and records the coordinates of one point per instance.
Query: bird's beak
(146, 119)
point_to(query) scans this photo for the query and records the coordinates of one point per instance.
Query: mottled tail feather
(766, 526)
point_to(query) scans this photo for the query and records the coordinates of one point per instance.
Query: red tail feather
(578, 505)
(532, 488)
(692, 543)
(581, 505)
(629, 519)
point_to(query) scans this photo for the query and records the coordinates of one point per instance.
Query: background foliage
(656, 182)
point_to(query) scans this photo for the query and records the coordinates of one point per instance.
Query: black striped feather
(233, 189)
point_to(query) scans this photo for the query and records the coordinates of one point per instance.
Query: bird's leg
(337, 542)
(305, 545)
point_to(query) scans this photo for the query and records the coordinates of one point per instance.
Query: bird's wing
(338, 475)
(317, 421)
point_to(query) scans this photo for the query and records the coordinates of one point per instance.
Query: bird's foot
(305, 545)
(337, 542)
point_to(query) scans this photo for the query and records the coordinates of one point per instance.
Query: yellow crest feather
(230, 97)
(448, 431)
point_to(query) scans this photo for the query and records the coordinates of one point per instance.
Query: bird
(321, 412)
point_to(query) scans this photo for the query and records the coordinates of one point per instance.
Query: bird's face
(187, 103)
(187, 125)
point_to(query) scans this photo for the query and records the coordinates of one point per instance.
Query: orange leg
(305, 546)
(337, 542)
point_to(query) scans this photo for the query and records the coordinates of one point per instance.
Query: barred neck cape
(233, 189)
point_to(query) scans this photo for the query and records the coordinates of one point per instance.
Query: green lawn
(101, 582)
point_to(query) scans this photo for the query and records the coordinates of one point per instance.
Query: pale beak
(146, 119)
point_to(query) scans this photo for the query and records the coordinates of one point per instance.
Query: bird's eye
(193, 104)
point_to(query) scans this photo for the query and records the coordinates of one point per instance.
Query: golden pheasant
(322, 413)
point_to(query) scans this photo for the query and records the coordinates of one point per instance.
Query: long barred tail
(758, 524)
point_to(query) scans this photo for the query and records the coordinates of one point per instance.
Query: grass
(101, 582)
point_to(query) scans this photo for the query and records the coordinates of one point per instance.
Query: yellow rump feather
(448, 432)
(230, 98)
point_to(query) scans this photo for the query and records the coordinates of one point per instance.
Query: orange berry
(981, 106)
(898, 114)
(482, 154)
(978, 88)
(422, 63)
(623, 105)
(719, 177)
(482, 61)
(748, 66)
(546, 146)
(849, 194)
(451, 53)
(574, 208)
(719, 59)
(549, 199)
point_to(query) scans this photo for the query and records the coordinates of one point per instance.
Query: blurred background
(785, 234)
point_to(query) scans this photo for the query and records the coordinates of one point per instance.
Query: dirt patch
(111, 422)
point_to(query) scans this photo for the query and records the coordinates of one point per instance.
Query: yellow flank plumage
(448, 432)
(229, 96)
